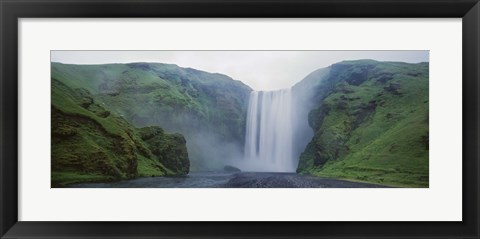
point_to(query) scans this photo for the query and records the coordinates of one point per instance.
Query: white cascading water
(269, 132)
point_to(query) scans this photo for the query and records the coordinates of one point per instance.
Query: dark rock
(342, 105)
(357, 78)
(104, 114)
(86, 102)
(362, 114)
(425, 141)
(290, 180)
(384, 77)
(170, 149)
(393, 88)
(229, 168)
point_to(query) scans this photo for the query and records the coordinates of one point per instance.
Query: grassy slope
(90, 144)
(178, 99)
(372, 125)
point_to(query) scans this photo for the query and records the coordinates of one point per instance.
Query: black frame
(11, 10)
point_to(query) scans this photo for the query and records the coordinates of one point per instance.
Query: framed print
(272, 119)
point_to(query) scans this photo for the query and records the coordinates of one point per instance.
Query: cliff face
(170, 149)
(92, 144)
(208, 109)
(369, 122)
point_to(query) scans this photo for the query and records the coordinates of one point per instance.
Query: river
(231, 180)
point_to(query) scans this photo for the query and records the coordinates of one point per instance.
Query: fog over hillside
(261, 70)
(362, 119)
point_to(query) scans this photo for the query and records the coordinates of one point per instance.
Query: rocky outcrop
(170, 149)
(90, 145)
(370, 123)
(208, 109)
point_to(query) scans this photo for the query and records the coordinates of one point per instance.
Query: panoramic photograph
(240, 119)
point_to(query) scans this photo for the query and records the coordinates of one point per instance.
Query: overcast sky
(261, 70)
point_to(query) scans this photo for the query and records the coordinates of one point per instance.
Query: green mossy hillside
(370, 123)
(168, 148)
(209, 109)
(91, 144)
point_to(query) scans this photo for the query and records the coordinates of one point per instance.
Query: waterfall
(269, 132)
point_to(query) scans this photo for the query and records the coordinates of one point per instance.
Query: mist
(211, 147)
(261, 70)
(207, 149)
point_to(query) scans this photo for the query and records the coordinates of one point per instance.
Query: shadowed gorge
(361, 120)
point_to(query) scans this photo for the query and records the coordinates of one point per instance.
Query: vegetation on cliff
(90, 143)
(367, 121)
(370, 123)
(209, 109)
